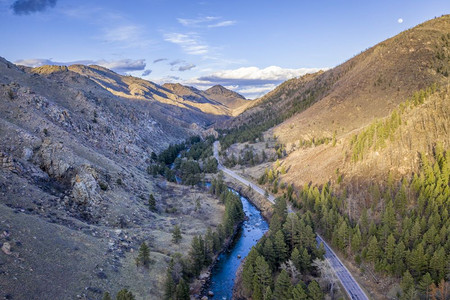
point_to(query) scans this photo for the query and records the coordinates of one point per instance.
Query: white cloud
(126, 36)
(122, 65)
(190, 42)
(222, 24)
(255, 74)
(252, 82)
(197, 21)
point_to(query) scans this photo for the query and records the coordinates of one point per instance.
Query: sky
(248, 46)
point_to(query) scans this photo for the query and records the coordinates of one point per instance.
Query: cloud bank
(252, 82)
(26, 7)
(121, 66)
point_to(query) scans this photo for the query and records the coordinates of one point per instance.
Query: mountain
(74, 187)
(364, 150)
(231, 102)
(225, 96)
(351, 95)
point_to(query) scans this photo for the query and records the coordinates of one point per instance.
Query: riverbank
(219, 278)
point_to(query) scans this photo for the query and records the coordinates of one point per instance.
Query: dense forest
(287, 263)
(186, 162)
(408, 239)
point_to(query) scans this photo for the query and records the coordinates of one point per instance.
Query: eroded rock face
(54, 158)
(85, 186)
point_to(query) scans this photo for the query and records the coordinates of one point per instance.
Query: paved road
(233, 174)
(349, 283)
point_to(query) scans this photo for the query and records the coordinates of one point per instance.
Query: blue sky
(248, 46)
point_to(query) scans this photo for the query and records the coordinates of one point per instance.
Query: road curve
(349, 283)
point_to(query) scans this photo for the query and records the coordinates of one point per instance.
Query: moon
(400, 21)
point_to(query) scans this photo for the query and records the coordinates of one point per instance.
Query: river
(224, 272)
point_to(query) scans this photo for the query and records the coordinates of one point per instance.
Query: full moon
(400, 21)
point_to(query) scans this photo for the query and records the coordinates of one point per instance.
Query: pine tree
(152, 203)
(356, 240)
(438, 264)
(305, 260)
(283, 287)
(314, 291)
(182, 291)
(399, 256)
(269, 252)
(143, 258)
(247, 276)
(295, 258)
(124, 294)
(425, 283)
(407, 281)
(176, 234)
(390, 248)
(106, 296)
(262, 271)
(280, 246)
(268, 295)
(169, 284)
(372, 249)
(197, 254)
(298, 293)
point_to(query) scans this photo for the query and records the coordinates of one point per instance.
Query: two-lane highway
(352, 288)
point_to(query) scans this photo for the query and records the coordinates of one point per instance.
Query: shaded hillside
(349, 96)
(74, 186)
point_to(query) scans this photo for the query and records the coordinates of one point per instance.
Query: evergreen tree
(305, 260)
(268, 294)
(407, 281)
(269, 252)
(298, 293)
(390, 248)
(314, 291)
(197, 254)
(152, 203)
(280, 247)
(438, 264)
(247, 276)
(182, 291)
(143, 258)
(169, 284)
(295, 258)
(372, 249)
(106, 296)
(356, 240)
(176, 234)
(262, 272)
(425, 283)
(124, 294)
(399, 256)
(283, 287)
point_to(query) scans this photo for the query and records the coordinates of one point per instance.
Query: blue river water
(224, 272)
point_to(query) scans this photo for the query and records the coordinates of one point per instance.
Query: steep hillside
(351, 95)
(366, 150)
(74, 186)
